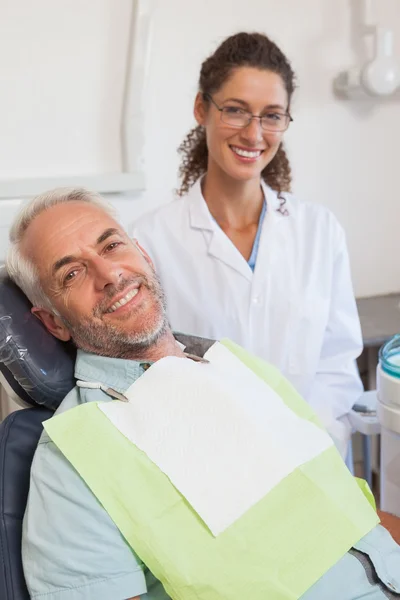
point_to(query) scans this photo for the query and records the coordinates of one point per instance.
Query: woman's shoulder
(307, 211)
(311, 222)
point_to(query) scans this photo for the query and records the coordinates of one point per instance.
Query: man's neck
(166, 345)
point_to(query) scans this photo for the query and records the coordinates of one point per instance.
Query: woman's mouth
(246, 155)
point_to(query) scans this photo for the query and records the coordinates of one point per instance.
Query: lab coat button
(257, 300)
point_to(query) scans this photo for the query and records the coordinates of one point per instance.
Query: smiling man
(100, 290)
(90, 283)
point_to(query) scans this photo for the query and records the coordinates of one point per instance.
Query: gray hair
(19, 267)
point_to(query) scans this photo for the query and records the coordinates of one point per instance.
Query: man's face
(108, 297)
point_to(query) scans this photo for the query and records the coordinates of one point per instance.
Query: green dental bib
(276, 550)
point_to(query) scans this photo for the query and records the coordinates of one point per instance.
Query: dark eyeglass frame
(207, 96)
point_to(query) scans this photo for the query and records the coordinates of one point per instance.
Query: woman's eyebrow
(268, 106)
(238, 100)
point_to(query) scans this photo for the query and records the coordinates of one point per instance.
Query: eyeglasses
(238, 117)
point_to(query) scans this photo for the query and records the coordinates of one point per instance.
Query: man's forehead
(65, 228)
(68, 258)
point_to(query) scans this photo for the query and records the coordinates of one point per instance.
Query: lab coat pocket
(309, 319)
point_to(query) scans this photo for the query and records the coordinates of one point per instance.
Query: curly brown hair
(239, 50)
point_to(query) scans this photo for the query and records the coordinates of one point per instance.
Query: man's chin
(121, 342)
(134, 320)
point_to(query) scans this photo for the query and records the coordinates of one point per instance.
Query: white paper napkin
(222, 436)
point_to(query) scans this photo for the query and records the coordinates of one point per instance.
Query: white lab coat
(297, 310)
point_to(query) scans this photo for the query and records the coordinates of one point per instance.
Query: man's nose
(253, 133)
(106, 272)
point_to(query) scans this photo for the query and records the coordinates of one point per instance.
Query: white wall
(344, 155)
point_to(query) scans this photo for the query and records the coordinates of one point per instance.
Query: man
(90, 283)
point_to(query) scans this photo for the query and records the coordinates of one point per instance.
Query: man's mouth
(246, 153)
(124, 300)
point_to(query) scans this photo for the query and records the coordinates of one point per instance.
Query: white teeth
(246, 153)
(123, 300)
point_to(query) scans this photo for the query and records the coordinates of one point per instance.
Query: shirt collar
(117, 373)
(120, 373)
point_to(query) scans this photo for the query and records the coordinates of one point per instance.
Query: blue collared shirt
(253, 257)
(72, 550)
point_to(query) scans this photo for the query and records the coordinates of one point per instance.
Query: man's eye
(70, 276)
(112, 246)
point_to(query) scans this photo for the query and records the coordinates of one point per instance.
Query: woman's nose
(253, 132)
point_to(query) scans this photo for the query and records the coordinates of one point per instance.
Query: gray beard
(106, 339)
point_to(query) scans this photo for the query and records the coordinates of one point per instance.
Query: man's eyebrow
(106, 234)
(65, 260)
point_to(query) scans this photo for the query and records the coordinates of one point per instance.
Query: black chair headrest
(30, 357)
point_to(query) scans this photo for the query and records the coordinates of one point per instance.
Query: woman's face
(256, 91)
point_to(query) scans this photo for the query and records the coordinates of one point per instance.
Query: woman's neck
(233, 204)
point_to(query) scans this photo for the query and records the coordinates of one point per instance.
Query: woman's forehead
(250, 84)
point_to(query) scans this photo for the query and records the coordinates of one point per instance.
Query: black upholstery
(14, 385)
(39, 369)
(19, 434)
(35, 360)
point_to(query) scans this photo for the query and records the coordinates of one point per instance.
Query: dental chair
(38, 370)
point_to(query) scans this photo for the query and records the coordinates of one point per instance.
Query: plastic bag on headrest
(42, 365)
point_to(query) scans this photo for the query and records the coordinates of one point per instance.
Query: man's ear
(52, 323)
(143, 252)
(200, 110)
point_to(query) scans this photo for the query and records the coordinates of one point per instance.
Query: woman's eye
(274, 116)
(234, 110)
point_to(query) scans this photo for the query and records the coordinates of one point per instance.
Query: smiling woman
(239, 256)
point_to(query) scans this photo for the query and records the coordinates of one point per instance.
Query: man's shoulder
(74, 398)
(71, 400)
(68, 534)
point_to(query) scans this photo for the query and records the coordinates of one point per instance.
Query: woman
(241, 257)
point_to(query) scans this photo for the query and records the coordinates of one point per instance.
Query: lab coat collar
(271, 197)
(200, 216)
(219, 245)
